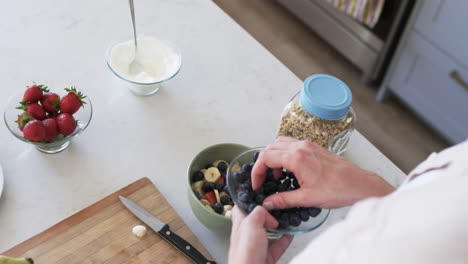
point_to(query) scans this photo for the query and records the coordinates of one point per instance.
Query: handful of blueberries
(248, 199)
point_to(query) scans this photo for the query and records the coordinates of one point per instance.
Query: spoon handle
(132, 10)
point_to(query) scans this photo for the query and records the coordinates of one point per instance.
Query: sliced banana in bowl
(212, 174)
(198, 187)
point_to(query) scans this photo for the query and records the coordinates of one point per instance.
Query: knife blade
(165, 232)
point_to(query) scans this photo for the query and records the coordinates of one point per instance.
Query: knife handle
(183, 246)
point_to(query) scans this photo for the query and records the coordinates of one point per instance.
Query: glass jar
(321, 112)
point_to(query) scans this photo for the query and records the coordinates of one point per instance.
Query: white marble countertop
(230, 89)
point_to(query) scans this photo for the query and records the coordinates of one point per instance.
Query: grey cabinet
(368, 49)
(429, 71)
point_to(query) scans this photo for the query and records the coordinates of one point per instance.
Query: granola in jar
(321, 113)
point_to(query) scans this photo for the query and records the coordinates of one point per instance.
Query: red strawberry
(33, 109)
(66, 123)
(51, 127)
(221, 179)
(34, 93)
(72, 101)
(51, 103)
(210, 197)
(34, 131)
(23, 119)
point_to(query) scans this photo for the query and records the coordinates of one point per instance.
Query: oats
(298, 123)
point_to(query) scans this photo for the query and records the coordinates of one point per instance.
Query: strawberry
(34, 131)
(51, 127)
(72, 101)
(33, 109)
(210, 197)
(23, 119)
(66, 123)
(34, 93)
(51, 103)
(221, 179)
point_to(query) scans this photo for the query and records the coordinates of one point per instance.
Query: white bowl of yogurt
(159, 61)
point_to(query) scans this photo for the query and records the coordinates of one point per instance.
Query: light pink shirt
(424, 221)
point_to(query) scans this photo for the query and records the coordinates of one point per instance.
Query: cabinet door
(445, 23)
(424, 79)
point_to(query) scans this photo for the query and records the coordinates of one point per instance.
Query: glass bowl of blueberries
(292, 221)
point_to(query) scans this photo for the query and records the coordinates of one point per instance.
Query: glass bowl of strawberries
(49, 120)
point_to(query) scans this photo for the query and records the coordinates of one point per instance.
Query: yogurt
(158, 62)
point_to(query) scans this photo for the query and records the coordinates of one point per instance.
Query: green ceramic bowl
(227, 152)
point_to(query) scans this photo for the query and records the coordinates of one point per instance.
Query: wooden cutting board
(102, 233)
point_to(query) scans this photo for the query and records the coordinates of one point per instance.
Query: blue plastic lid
(326, 97)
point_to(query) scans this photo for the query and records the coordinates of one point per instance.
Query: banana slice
(215, 164)
(228, 214)
(236, 167)
(203, 171)
(212, 174)
(8, 260)
(205, 202)
(139, 230)
(197, 186)
(217, 195)
(227, 208)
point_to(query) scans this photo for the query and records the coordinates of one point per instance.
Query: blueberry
(282, 225)
(314, 211)
(291, 175)
(208, 186)
(270, 188)
(259, 198)
(247, 167)
(236, 176)
(218, 208)
(283, 220)
(248, 181)
(276, 214)
(282, 187)
(304, 214)
(209, 165)
(197, 194)
(197, 176)
(277, 181)
(270, 175)
(226, 189)
(295, 184)
(225, 199)
(246, 187)
(251, 207)
(294, 219)
(244, 196)
(260, 190)
(243, 176)
(219, 186)
(287, 182)
(284, 175)
(255, 156)
(242, 206)
(222, 166)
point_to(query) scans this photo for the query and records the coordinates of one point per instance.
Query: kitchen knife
(163, 230)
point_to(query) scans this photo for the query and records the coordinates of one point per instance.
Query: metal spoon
(135, 66)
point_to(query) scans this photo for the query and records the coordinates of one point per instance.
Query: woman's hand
(326, 179)
(249, 242)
